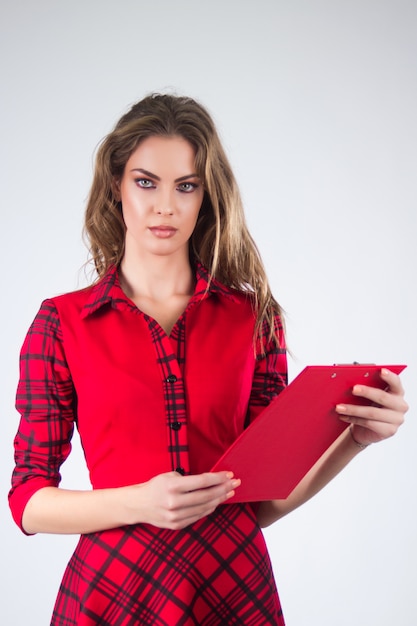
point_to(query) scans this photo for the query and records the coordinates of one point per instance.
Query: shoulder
(240, 298)
(89, 299)
(52, 310)
(239, 306)
(72, 298)
(56, 310)
(47, 320)
(207, 284)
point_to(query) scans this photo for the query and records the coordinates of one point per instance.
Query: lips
(163, 232)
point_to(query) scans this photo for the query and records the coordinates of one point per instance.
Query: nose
(164, 203)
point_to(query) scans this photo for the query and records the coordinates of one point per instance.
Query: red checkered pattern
(91, 358)
(216, 572)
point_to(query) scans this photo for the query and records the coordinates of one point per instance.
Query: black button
(180, 470)
(172, 378)
(175, 425)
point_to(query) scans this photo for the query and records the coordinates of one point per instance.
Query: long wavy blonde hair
(221, 240)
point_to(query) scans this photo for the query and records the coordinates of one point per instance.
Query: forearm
(166, 501)
(326, 468)
(61, 511)
(377, 419)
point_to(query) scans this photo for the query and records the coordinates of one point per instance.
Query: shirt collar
(108, 291)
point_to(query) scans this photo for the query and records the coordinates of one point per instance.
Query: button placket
(174, 393)
(169, 353)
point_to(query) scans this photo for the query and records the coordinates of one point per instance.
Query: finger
(393, 380)
(356, 414)
(184, 491)
(197, 482)
(188, 515)
(372, 430)
(208, 495)
(379, 397)
(384, 398)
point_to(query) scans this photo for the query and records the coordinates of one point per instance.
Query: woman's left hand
(385, 415)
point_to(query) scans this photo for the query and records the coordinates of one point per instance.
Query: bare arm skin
(173, 501)
(166, 501)
(370, 424)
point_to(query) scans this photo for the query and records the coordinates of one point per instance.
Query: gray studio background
(316, 103)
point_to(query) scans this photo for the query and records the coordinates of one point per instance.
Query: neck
(159, 277)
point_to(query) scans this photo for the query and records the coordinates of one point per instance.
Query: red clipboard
(274, 453)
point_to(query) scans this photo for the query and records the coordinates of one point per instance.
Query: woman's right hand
(166, 501)
(174, 501)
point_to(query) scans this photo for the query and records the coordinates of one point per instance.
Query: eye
(145, 183)
(187, 187)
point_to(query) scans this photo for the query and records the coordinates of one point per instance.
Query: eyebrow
(154, 176)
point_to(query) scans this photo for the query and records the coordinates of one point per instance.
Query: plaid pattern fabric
(214, 573)
(92, 358)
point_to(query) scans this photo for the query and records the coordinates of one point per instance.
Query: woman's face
(161, 196)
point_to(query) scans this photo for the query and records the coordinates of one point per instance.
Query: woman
(162, 363)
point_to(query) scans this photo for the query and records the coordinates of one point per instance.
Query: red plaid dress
(146, 403)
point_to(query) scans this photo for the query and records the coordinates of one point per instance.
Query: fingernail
(229, 475)
(230, 494)
(384, 371)
(341, 407)
(236, 483)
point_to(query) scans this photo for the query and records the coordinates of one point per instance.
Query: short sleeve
(46, 403)
(271, 375)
